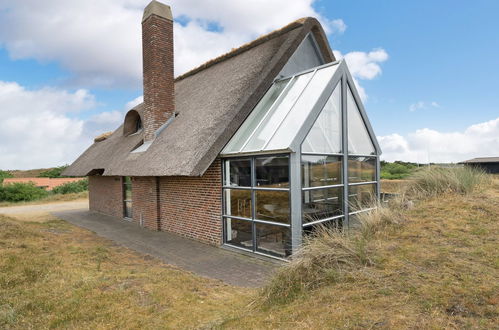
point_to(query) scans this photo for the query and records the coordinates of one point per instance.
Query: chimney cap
(159, 9)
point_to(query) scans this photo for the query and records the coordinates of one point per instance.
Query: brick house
(250, 150)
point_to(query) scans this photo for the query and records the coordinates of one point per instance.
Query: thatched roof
(212, 101)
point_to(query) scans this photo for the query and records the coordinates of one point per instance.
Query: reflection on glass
(272, 205)
(361, 169)
(273, 240)
(320, 170)
(238, 173)
(359, 141)
(301, 109)
(322, 204)
(325, 135)
(256, 116)
(272, 172)
(239, 233)
(128, 210)
(361, 196)
(276, 115)
(238, 202)
(318, 228)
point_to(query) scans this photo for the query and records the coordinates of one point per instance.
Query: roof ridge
(251, 44)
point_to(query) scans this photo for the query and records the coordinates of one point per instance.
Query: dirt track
(50, 207)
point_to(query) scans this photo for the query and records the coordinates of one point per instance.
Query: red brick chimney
(157, 57)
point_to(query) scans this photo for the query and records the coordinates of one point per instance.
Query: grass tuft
(328, 255)
(435, 181)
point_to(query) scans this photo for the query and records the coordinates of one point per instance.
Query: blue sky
(428, 70)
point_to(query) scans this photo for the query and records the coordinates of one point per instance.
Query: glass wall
(257, 204)
(322, 167)
(317, 118)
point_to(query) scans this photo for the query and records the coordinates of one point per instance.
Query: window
(257, 204)
(359, 141)
(127, 197)
(361, 169)
(132, 124)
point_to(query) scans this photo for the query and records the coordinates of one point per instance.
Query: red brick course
(105, 194)
(192, 206)
(145, 198)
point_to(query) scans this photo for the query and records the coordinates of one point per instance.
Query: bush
(53, 172)
(396, 170)
(434, 181)
(5, 174)
(17, 192)
(71, 187)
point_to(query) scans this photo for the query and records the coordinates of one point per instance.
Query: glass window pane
(277, 115)
(301, 109)
(128, 210)
(239, 233)
(361, 169)
(238, 202)
(322, 203)
(273, 240)
(272, 171)
(361, 196)
(272, 205)
(331, 224)
(127, 180)
(359, 141)
(320, 170)
(128, 194)
(238, 173)
(325, 135)
(250, 124)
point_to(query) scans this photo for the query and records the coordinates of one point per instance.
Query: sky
(428, 70)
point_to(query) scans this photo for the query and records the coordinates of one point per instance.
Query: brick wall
(144, 197)
(106, 195)
(189, 206)
(192, 206)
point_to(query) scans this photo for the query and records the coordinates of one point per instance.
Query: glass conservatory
(306, 156)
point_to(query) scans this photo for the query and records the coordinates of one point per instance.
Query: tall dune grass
(434, 181)
(330, 254)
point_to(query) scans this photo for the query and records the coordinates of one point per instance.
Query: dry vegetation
(55, 275)
(429, 264)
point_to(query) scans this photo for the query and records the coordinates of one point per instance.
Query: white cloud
(423, 105)
(428, 145)
(38, 128)
(100, 41)
(364, 66)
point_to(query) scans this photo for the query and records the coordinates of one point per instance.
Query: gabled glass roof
(280, 114)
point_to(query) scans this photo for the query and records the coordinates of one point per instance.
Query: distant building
(488, 164)
(45, 183)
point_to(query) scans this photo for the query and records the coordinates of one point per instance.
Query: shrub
(396, 170)
(438, 180)
(5, 174)
(71, 187)
(17, 192)
(53, 172)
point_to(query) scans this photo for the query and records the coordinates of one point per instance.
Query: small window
(133, 123)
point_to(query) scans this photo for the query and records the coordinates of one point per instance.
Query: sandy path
(45, 208)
